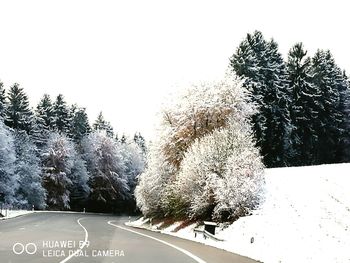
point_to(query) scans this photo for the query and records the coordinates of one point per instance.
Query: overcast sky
(123, 57)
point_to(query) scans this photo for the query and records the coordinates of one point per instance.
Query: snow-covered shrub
(221, 174)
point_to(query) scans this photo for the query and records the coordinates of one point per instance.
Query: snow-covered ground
(13, 213)
(305, 218)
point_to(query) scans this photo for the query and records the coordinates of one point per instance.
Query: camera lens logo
(19, 248)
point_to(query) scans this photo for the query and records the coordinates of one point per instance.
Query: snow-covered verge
(305, 218)
(13, 213)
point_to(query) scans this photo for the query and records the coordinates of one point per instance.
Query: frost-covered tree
(18, 113)
(43, 122)
(171, 185)
(58, 161)
(140, 141)
(79, 190)
(101, 125)
(79, 123)
(134, 161)
(44, 111)
(332, 118)
(305, 106)
(28, 171)
(2, 101)
(262, 66)
(108, 181)
(221, 175)
(344, 107)
(198, 111)
(8, 179)
(151, 190)
(61, 115)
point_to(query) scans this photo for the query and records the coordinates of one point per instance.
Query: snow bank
(305, 218)
(13, 213)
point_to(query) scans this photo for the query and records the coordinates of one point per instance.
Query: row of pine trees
(303, 103)
(52, 158)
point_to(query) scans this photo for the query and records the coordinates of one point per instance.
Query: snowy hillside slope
(13, 213)
(305, 218)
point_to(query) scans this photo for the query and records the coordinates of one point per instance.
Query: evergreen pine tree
(344, 144)
(43, 123)
(304, 107)
(333, 87)
(263, 69)
(44, 111)
(18, 114)
(61, 115)
(102, 125)
(140, 141)
(79, 124)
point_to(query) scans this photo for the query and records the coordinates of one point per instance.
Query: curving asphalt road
(85, 238)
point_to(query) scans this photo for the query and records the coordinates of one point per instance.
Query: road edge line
(82, 246)
(187, 253)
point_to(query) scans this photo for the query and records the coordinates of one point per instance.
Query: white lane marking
(22, 228)
(82, 245)
(197, 259)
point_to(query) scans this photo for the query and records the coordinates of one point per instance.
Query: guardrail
(206, 234)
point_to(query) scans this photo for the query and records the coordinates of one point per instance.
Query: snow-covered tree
(332, 118)
(79, 190)
(134, 162)
(140, 141)
(18, 113)
(58, 160)
(262, 66)
(221, 175)
(79, 123)
(28, 171)
(200, 110)
(199, 134)
(61, 115)
(151, 190)
(108, 180)
(8, 179)
(2, 101)
(44, 111)
(43, 122)
(101, 125)
(344, 107)
(305, 105)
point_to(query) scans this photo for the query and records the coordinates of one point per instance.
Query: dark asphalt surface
(41, 233)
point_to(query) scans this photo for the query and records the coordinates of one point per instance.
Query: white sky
(123, 57)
